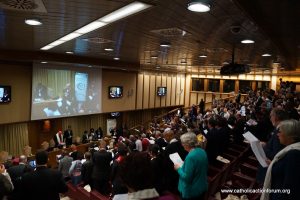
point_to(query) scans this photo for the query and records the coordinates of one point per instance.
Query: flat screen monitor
(5, 94)
(161, 91)
(115, 92)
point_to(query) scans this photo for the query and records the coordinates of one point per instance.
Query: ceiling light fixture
(121, 13)
(69, 52)
(154, 57)
(165, 44)
(199, 6)
(33, 22)
(266, 55)
(44, 62)
(247, 41)
(203, 56)
(116, 58)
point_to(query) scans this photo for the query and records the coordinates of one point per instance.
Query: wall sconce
(130, 93)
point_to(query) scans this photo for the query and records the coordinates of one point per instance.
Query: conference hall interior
(149, 99)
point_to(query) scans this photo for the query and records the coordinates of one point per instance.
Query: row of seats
(239, 170)
(79, 193)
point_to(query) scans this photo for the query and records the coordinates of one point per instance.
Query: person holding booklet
(283, 172)
(193, 173)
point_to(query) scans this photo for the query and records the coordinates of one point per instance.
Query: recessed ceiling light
(266, 55)
(69, 52)
(165, 44)
(44, 62)
(199, 6)
(247, 41)
(109, 49)
(203, 56)
(33, 22)
(116, 58)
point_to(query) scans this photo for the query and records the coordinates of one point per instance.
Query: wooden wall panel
(19, 78)
(140, 90)
(193, 99)
(178, 88)
(164, 84)
(182, 90)
(128, 81)
(158, 99)
(187, 90)
(169, 90)
(146, 91)
(208, 97)
(173, 91)
(152, 90)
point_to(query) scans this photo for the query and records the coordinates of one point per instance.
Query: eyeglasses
(278, 130)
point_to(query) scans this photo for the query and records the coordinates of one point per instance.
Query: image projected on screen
(68, 92)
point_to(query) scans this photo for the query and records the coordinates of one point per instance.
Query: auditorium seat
(94, 195)
(82, 194)
(72, 192)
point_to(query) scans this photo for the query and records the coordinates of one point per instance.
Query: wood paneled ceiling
(136, 39)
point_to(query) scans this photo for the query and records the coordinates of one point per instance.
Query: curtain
(14, 137)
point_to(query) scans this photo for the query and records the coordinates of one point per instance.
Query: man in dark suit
(68, 136)
(87, 169)
(171, 176)
(101, 169)
(43, 183)
(16, 172)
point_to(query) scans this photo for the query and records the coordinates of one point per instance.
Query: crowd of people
(138, 166)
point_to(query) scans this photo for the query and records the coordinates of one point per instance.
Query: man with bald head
(16, 172)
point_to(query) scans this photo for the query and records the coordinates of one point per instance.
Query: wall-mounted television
(161, 91)
(5, 94)
(115, 92)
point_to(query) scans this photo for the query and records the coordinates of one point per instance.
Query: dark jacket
(43, 183)
(86, 172)
(286, 175)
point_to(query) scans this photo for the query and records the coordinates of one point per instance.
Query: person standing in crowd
(118, 187)
(6, 185)
(202, 106)
(283, 172)
(68, 136)
(43, 183)
(58, 139)
(171, 177)
(16, 172)
(139, 182)
(101, 169)
(64, 165)
(85, 137)
(87, 169)
(193, 173)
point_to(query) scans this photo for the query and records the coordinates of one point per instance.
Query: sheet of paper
(250, 137)
(256, 148)
(175, 158)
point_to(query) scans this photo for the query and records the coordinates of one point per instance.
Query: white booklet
(256, 148)
(176, 159)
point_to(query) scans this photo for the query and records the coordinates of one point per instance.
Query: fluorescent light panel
(123, 12)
